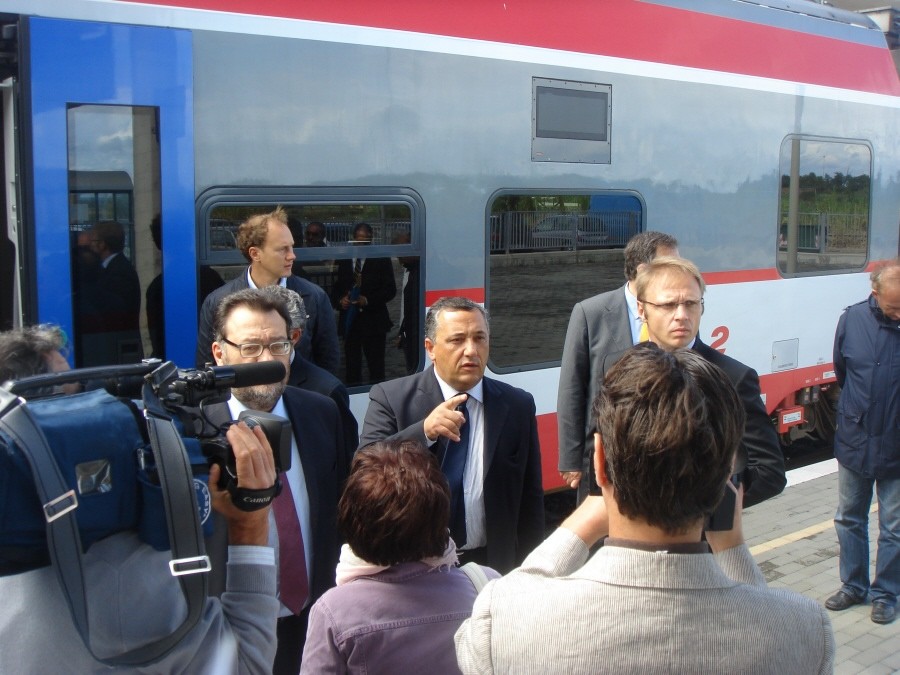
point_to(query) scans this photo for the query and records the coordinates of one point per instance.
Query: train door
(110, 114)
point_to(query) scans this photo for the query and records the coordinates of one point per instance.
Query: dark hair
(24, 351)
(670, 424)
(256, 299)
(644, 247)
(363, 227)
(253, 231)
(453, 303)
(396, 504)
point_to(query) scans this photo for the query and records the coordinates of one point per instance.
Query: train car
(501, 150)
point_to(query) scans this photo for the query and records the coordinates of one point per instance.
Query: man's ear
(253, 252)
(295, 335)
(600, 461)
(429, 348)
(218, 354)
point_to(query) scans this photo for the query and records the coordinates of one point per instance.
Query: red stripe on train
(620, 28)
(473, 294)
(775, 386)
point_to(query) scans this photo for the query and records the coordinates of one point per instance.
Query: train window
(375, 310)
(570, 121)
(114, 201)
(550, 250)
(824, 206)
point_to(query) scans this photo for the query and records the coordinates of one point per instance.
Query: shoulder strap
(64, 539)
(476, 575)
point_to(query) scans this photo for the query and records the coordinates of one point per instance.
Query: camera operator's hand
(590, 521)
(722, 540)
(255, 466)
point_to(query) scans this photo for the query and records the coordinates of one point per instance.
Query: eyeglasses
(672, 307)
(251, 350)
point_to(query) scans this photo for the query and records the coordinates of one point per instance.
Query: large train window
(114, 203)
(363, 248)
(824, 205)
(549, 250)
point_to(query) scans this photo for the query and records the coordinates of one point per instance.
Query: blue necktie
(455, 469)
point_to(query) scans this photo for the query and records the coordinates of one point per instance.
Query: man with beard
(250, 326)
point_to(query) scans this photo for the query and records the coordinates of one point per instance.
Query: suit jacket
(378, 286)
(763, 476)
(319, 341)
(122, 293)
(632, 611)
(316, 426)
(598, 326)
(307, 375)
(513, 491)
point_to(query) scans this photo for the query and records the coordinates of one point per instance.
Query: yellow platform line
(798, 535)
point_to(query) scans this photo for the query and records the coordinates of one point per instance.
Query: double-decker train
(500, 150)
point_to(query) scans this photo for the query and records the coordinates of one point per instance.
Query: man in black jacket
(670, 302)
(363, 288)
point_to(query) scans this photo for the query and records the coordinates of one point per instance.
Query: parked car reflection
(570, 230)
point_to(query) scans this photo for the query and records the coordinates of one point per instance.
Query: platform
(793, 540)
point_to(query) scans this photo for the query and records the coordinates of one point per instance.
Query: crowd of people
(416, 544)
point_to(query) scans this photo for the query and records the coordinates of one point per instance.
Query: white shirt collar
(281, 282)
(475, 392)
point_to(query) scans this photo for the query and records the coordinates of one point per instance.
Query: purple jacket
(401, 620)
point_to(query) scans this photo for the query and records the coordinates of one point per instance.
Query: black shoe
(841, 601)
(882, 612)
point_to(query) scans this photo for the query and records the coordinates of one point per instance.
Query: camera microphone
(244, 374)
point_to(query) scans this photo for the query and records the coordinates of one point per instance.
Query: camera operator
(653, 598)
(132, 598)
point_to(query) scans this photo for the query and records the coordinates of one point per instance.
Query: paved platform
(793, 540)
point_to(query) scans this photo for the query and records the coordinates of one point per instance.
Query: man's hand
(722, 540)
(571, 478)
(446, 420)
(590, 521)
(255, 470)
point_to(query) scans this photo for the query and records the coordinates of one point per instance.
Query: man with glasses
(254, 325)
(670, 303)
(265, 240)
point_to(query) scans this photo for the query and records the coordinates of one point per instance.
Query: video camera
(102, 443)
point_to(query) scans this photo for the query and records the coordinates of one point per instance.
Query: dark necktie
(455, 469)
(293, 578)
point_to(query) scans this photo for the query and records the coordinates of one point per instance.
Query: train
(502, 150)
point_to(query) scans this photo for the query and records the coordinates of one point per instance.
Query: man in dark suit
(604, 324)
(670, 302)
(362, 290)
(266, 242)
(112, 334)
(489, 450)
(249, 326)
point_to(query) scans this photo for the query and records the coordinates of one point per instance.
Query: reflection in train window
(824, 206)
(363, 253)
(550, 250)
(114, 201)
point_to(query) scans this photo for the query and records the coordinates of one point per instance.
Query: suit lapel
(619, 320)
(496, 411)
(305, 451)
